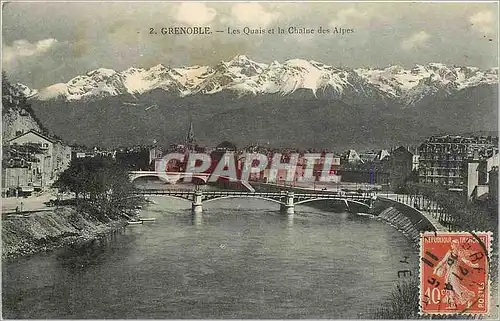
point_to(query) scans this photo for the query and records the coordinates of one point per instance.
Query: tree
(461, 214)
(99, 183)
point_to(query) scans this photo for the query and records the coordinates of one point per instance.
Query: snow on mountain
(139, 81)
(97, 83)
(243, 65)
(192, 76)
(290, 76)
(410, 86)
(104, 82)
(319, 78)
(238, 74)
(247, 77)
(55, 91)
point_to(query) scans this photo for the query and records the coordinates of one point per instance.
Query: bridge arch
(357, 202)
(312, 200)
(243, 196)
(168, 177)
(330, 199)
(135, 177)
(173, 196)
(174, 177)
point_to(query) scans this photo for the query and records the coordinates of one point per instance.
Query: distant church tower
(190, 141)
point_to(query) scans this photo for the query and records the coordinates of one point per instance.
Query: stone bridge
(286, 200)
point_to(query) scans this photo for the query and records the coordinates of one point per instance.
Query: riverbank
(48, 230)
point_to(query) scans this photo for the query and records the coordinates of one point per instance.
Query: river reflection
(238, 259)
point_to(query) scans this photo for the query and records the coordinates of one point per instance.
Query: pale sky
(46, 43)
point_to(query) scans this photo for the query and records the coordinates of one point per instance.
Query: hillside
(17, 114)
(291, 121)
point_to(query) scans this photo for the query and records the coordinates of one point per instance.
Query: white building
(53, 158)
(478, 176)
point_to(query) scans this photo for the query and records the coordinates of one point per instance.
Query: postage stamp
(454, 269)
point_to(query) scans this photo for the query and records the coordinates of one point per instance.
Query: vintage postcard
(249, 160)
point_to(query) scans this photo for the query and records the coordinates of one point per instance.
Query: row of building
(459, 163)
(33, 161)
(463, 164)
(466, 164)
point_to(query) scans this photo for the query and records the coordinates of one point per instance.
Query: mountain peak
(102, 72)
(241, 58)
(243, 61)
(159, 67)
(245, 76)
(436, 65)
(302, 63)
(132, 70)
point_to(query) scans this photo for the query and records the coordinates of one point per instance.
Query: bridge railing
(427, 205)
(335, 195)
(217, 193)
(244, 193)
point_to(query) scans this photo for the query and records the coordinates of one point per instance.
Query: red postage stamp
(454, 272)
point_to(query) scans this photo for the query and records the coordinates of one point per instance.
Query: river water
(239, 259)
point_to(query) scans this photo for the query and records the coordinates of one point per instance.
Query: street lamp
(17, 189)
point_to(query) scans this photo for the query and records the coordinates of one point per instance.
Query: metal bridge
(286, 199)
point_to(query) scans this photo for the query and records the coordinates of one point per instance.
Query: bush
(403, 303)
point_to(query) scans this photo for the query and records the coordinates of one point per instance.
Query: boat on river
(134, 222)
(147, 219)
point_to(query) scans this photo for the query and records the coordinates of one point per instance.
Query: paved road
(28, 204)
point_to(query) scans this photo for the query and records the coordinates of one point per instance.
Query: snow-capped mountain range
(243, 76)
